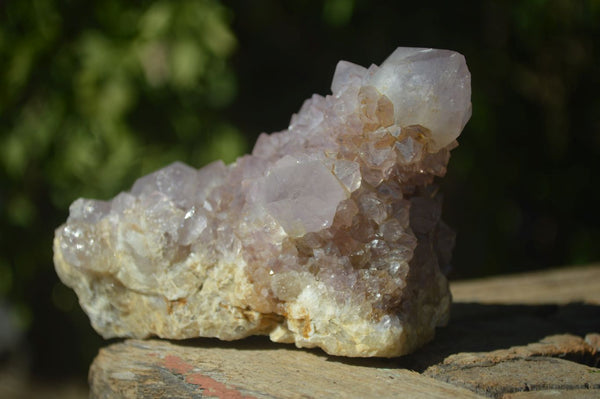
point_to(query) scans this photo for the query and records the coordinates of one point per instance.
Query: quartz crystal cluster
(328, 235)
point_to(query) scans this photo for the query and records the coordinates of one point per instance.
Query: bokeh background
(94, 94)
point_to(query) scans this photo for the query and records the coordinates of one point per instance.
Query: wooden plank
(252, 368)
(557, 286)
(555, 363)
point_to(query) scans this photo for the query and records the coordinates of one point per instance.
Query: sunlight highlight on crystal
(328, 235)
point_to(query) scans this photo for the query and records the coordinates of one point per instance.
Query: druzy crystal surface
(328, 235)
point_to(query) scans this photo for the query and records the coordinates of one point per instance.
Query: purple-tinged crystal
(328, 235)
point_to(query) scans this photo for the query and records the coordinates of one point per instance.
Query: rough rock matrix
(328, 235)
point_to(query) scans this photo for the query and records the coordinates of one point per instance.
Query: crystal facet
(329, 235)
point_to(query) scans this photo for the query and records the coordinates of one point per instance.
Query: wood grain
(252, 369)
(555, 286)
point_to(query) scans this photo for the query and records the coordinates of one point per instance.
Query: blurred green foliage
(93, 101)
(95, 94)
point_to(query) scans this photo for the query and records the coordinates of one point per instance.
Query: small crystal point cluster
(328, 235)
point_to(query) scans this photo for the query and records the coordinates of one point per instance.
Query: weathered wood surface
(526, 336)
(251, 369)
(558, 286)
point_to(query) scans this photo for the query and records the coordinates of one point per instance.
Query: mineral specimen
(328, 235)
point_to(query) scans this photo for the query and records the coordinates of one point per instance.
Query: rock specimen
(328, 235)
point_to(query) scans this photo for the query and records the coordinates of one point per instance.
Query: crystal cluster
(328, 235)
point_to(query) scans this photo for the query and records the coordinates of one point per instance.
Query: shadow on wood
(476, 327)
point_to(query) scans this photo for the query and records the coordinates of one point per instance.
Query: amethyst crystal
(328, 235)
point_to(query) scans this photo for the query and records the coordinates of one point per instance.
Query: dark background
(95, 94)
